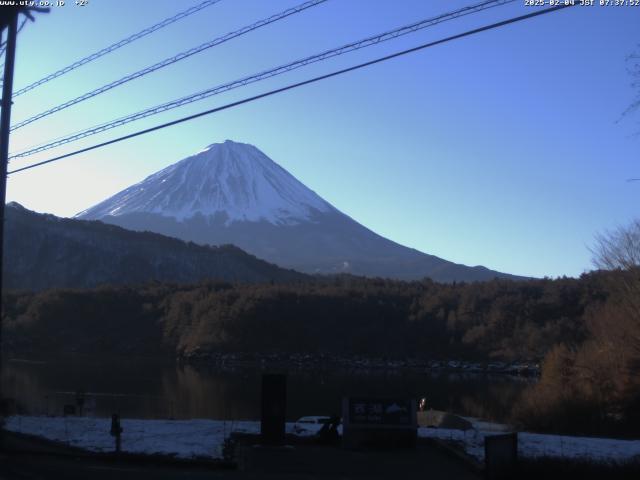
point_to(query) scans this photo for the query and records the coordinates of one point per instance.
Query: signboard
(392, 412)
(379, 422)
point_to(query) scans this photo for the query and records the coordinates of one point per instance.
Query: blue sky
(504, 149)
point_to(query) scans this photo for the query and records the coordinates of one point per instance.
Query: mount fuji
(233, 193)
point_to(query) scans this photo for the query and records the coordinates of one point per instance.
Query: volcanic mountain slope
(233, 193)
(44, 251)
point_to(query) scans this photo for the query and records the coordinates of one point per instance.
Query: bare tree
(619, 248)
(633, 67)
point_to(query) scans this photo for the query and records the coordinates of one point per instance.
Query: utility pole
(5, 124)
(9, 20)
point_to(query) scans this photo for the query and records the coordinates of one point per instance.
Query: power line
(373, 40)
(24, 20)
(296, 85)
(117, 45)
(171, 60)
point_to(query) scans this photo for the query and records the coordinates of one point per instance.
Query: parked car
(310, 424)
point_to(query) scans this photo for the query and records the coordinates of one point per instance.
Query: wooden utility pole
(9, 20)
(5, 124)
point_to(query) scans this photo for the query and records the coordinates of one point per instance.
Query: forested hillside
(43, 251)
(345, 315)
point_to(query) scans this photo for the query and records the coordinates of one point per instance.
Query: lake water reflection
(142, 388)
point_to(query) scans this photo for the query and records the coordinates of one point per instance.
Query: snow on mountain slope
(233, 179)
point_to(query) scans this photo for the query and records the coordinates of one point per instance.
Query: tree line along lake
(151, 388)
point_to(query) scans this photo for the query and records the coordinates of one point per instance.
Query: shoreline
(295, 362)
(310, 362)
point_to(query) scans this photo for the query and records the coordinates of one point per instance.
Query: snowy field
(535, 445)
(204, 438)
(180, 438)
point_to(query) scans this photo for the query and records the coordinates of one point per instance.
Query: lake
(144, 388)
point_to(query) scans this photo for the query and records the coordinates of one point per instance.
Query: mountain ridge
(44, 251)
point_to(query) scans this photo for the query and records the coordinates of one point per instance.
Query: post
(274, 408)
(80, 398)
(5, 124)
(501, 456)
(116, 430)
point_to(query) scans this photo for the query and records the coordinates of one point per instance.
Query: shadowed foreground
(46, 460)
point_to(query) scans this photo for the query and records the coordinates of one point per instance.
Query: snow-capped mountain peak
(232, 179)
(232, 193)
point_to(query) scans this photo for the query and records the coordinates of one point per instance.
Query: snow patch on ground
(180, 438)
(536, 445)
(205, 438)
